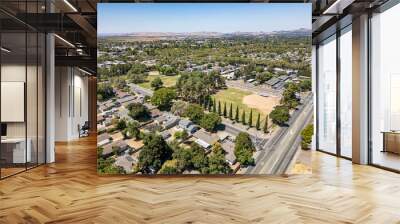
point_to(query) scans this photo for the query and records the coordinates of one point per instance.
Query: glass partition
(14, 153)
(22, 101)
(385, 89)
(327, 95)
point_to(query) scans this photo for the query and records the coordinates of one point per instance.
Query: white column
(50, 98)
(314, 90)
(360, 90)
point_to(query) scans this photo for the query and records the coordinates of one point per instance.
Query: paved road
(140, 90)
(280, 149)
(265, 89)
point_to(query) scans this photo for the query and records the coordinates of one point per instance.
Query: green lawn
(168, 81)
(235, 96)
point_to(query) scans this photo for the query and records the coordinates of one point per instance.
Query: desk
(391, 141)
(13, 150)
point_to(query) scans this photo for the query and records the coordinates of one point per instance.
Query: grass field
(237, 96)
(168, 81)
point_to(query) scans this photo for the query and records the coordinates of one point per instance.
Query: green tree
(181, 135)
(266, 124)
(104, 91)
(195, 85)
(163, 98)
(244, 117)
(107, 166)
(263, 77)
(138, 111)
(237, 114)
(167, 70)
(258, 122)
(251, 118)
(121, 125)
(214, 107)
(230, 112)
(179, 107)
(137, 78)
(306, 136)
(194, 112)
(170, 167)
(216, 162)
(199, 160)
(153, 154)
(210, 121)
(280, 115)
(259, 69)
(244, 149)
(183, 156)
(133, 129)
(305, 85)
(210, 104)
(289, 95)
(137, 68)
(219, 108)
(157, 83)
(205, 103)
(225, 113)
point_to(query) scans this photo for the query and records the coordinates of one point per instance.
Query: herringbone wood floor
(70, 191)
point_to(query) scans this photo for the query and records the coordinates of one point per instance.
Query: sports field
(168, 81)
(246, 100)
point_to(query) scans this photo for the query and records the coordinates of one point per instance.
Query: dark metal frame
(337, 34)
(44, 80)
(387, 5)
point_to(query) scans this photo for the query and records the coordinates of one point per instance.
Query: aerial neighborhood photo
(204, 89)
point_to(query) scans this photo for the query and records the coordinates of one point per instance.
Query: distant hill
(205, 34)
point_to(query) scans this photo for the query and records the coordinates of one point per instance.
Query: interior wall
(14, 73)
(71, 102)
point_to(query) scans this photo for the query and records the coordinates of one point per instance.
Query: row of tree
(212, 105)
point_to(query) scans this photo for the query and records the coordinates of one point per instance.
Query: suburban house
(118, 146)
(188, 126)
(171, 121)
(185, 123)
(229, 147)
(205, 139)
(165, 134)
(273, 81)
(135, 145)
(103, 139)
(126, 161)
(155, 113)
(127, 99)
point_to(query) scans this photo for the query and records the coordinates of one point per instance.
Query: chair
(84, 130)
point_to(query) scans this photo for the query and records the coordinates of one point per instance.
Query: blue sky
(192, 17)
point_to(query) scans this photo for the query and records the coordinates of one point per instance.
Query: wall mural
(204, 89)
